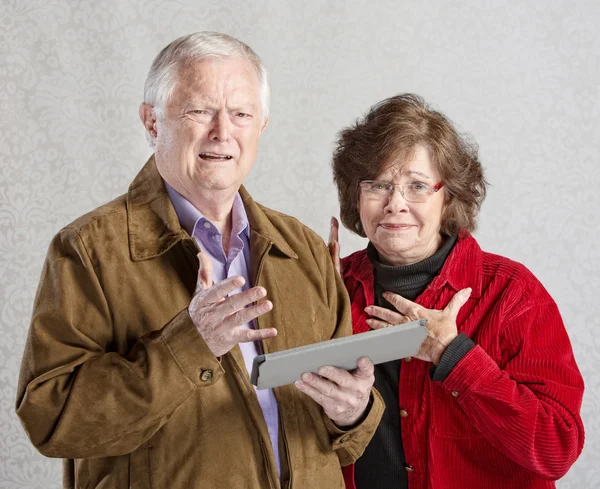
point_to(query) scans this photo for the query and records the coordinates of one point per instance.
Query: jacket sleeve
(350, 444)
(78, 399)
(528, 405)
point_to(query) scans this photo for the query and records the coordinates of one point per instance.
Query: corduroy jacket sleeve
(528, 404)
(78, 399)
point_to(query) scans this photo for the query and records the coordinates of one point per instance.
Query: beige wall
(522, 77)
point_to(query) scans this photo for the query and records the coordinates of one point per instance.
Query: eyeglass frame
(432, 189)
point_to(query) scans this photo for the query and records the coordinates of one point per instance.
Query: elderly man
(151, 309)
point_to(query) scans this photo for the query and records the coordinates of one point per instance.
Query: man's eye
(242, 115)
(199, 111)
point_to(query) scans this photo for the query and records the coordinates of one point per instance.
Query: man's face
(207, 138)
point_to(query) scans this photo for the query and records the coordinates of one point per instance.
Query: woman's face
(404, 232)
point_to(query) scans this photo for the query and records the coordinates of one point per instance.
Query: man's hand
(334, 244)
(441, 325)
(218, 318)
(343, 395)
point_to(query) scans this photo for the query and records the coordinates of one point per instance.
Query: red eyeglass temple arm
(438, 186)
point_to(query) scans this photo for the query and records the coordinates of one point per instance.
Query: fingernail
(239, 281)
(260, 292)
(467, 291)
(305, 377)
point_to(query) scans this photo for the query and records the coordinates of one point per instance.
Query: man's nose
(396, 201)
(219, 130)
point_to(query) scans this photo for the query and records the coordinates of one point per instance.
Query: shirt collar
(153, 226)
(190, 217)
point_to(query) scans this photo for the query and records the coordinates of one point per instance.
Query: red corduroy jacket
(507, 415)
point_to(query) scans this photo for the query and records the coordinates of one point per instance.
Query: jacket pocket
(448, 420)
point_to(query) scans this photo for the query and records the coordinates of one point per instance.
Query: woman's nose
(395, 201)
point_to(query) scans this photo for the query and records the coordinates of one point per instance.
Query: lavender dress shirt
(237, 262)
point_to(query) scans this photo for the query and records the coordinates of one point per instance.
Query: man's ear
(148, 118)
(264, 126)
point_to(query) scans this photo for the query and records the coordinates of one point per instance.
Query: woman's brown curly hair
(387, 136)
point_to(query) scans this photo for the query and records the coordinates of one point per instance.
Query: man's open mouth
(214, 156)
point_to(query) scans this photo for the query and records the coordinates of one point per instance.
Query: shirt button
(408, 359)
(454, 393)
(206, 224)
(403, 413)
(408, 468)
(206, 375)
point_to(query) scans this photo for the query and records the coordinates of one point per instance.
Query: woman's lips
(396, 227)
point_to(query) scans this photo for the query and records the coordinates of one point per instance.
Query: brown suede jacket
(116, 380)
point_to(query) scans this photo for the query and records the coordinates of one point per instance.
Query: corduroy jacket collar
(453, 272)
(153, 225)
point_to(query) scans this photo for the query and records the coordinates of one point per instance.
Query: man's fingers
(205, 272)
(308, 387)
(239, 301)
(247, 335)
(339, 376)
(324, 388)
(459, 300)
(385, 314)
(365, 369)
(247, 314)
(220, 290)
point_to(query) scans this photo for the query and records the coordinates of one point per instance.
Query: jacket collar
(261, 225)
(153, 225)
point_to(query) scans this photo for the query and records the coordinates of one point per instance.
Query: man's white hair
(162, 77)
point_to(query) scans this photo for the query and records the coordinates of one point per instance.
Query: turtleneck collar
(407, 280)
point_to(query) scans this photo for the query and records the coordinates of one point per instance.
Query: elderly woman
(492, 398)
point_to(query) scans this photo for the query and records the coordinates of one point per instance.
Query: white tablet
(382, 345)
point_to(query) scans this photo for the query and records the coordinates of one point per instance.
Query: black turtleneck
(383, 462)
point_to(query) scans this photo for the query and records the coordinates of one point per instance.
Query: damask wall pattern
(522, 78)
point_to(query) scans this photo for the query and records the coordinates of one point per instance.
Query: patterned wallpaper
(522, 77)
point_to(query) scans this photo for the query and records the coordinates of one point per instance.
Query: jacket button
(408, 468)
(403, 413)
(454, 393)
(206, 375)
(408, 359)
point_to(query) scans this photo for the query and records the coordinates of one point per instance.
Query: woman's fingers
(459, 300)
(404, 306)
(385, 314)
(334, 245)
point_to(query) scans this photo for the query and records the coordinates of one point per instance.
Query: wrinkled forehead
(236, 75)
(415, 161)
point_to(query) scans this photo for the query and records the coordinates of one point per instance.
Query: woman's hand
(441, 325)
(334, 245)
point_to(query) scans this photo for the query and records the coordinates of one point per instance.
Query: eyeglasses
(412, 192)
